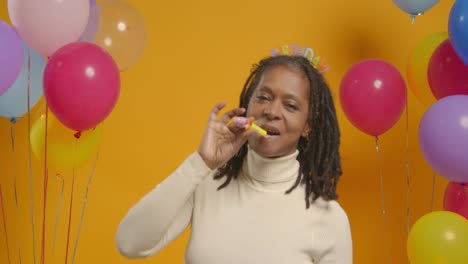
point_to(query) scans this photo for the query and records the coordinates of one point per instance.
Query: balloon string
(58, 176)
(31, 193)
(15, 187)
(4, 224)
(408, 219)
(384, 211)
(71, 202)
(434, 176)
(69, 218)
(14, 162)
(84, 206)
(46, 178)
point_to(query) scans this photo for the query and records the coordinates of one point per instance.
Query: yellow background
(198, 53)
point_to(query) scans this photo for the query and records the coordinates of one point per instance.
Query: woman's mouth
(271, 130)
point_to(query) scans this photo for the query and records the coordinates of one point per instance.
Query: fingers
(214, 112)
(230, 114)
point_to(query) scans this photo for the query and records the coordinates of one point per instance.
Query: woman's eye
(292, 106)
(261, 97)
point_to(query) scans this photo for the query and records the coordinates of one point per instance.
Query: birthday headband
(295, 50)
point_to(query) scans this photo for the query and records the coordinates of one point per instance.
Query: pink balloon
(81, 85)
(447, 74)
(47, 25)
(373, 96)
(456, 198)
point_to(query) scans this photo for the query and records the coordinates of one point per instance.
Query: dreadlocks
(319, 159)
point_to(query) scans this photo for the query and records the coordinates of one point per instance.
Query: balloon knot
(13, 120)
(78, 134)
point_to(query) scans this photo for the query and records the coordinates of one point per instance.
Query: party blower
(247, 123)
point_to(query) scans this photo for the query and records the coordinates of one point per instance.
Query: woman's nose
(272, 111)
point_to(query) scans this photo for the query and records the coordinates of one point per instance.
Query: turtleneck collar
(270, 174)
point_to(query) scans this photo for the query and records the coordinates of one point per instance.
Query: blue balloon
(458, 29)
(14, 102)
(415, 7)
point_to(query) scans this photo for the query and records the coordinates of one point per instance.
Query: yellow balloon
(64, 150)
(121, 32)
(417, 65)
(439, 237)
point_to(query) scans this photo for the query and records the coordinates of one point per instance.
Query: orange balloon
(122, 32)
(64, 150)
(417, 66)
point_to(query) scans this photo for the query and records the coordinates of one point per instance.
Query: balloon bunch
(70, 53)
(373, 95)
(442, 236)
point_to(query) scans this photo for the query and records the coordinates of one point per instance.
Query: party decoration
(415, 7)
(14, 103)
(93, 23)
(373, 96)
(418, 62)
(47, 25)
(295, 50)
(11, 56)
(447, 74)
(64, 151)
(443, 137)
(458, 29)
(438, 237)
(81, 85)
(122, 32)
(456, 198)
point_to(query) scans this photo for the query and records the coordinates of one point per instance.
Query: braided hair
(319, 158)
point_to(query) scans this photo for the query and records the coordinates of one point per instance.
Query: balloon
(81, 85)
(47, 25)
(122, 32)
(64, 151)
(443, 137)
(14, 103)
(416, 70)
(11, 56)
(438, 237)
(458, 29)
(456, 198)
(446, 73)
(373, 96)
(93, 24)
(415, 7)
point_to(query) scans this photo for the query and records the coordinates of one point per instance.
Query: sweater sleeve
(341, 252)
(163, 213)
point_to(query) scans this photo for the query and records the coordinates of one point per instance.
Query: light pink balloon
(47, 25)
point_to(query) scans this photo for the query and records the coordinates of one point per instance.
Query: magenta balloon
(373, 96)
(446, 73)
(81, 85)
(456, 198)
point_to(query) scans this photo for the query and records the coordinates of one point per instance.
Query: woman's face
(280, 105)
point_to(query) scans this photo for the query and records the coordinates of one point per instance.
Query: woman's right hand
(221, 142)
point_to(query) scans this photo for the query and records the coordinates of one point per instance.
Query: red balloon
(446, 73)
(81, 85)
(456, 198)
(373, 96)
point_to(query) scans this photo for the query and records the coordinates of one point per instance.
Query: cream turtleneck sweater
(251, 221)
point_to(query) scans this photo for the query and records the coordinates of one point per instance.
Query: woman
(276, 199)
